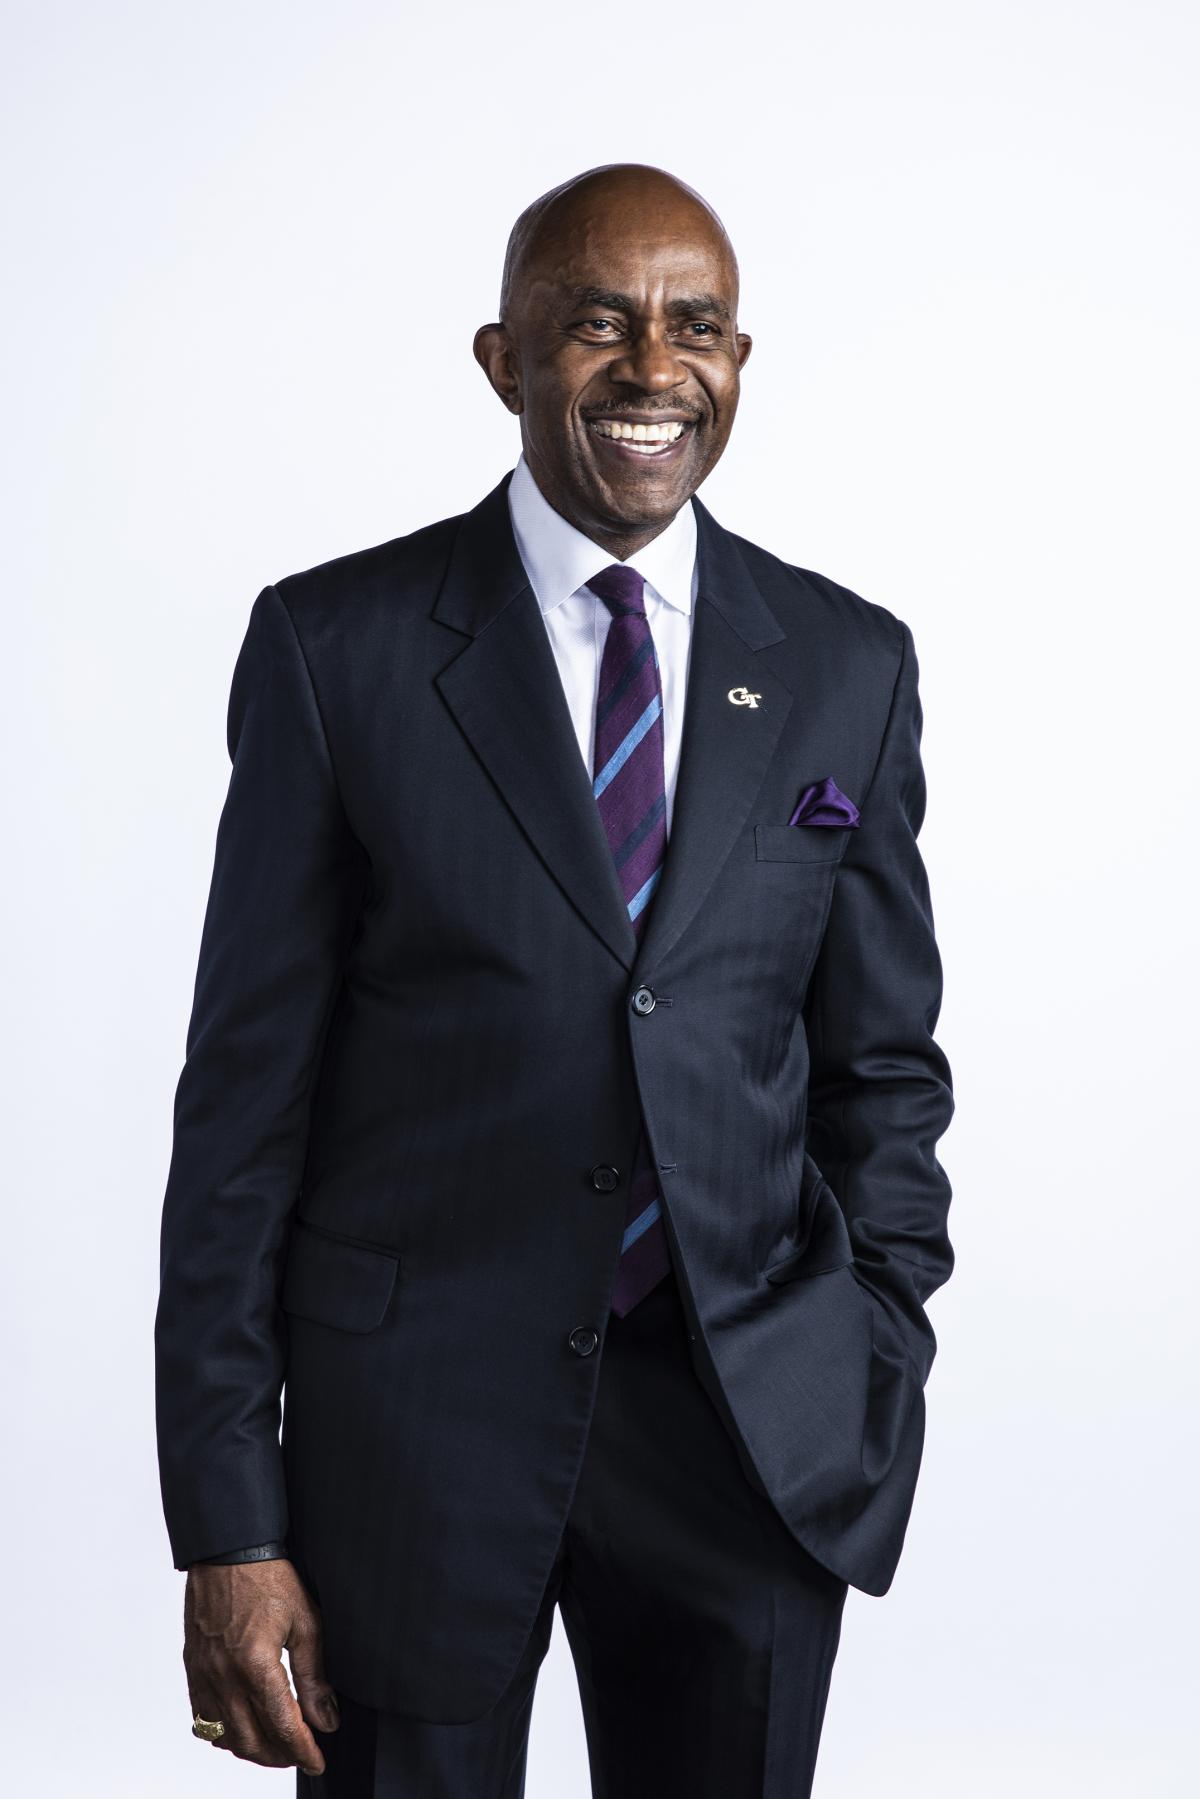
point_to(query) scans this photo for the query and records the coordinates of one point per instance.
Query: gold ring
(209, 1729)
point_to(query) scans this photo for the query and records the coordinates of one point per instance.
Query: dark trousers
(703, 1636)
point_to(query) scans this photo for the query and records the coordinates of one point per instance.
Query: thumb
(316, 1698)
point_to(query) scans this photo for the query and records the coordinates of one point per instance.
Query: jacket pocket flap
(335, 1281)
(826, 1247)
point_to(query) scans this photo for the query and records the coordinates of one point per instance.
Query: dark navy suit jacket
(413, 1059)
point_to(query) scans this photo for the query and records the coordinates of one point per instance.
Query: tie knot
(621, 589)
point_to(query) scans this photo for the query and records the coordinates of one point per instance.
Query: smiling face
(619, 350)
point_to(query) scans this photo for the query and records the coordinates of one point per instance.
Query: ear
(496, 357)
(744, 346)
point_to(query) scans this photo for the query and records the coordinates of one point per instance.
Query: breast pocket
(800, 843)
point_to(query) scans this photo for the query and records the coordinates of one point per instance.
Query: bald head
(661, 202)
(618, 348)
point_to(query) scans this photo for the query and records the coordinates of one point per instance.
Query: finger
(318, 1701)
(213, 1702)
(243, 1735)
(280, 1717)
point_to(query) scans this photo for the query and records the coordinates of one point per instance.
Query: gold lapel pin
(741, 696)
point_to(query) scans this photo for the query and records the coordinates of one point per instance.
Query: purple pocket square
(824, 803)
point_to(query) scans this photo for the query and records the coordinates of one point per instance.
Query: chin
(647, 490)
(649, 511)
(657, 503)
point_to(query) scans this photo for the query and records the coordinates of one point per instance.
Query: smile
(640, 440)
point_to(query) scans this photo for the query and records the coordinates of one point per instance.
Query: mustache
(641, 410)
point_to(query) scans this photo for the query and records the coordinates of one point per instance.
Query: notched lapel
(505, 692)
(726, 747)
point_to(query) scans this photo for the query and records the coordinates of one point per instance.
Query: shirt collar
(559, 560)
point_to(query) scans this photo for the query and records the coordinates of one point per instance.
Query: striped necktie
(630, 791)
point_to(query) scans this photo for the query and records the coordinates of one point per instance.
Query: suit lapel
(725, 748)
(504, 690)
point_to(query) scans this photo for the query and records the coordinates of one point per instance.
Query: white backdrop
(247, 248)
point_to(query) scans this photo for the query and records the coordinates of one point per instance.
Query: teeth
(659, 435)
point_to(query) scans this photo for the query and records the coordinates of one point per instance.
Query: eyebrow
(686, 307)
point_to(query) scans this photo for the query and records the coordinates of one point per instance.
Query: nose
(649, 363)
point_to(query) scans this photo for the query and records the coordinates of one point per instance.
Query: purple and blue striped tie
(630, 790)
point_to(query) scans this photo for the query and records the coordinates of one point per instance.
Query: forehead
(647, 252)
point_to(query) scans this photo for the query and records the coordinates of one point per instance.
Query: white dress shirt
(560, 561)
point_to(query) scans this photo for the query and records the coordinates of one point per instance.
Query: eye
(698, 326)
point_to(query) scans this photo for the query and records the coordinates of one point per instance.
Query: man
(581, 1188)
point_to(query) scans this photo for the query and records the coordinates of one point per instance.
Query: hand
(236, 1621)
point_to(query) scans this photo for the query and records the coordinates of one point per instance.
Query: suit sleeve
(880, 1092)
(287, 884)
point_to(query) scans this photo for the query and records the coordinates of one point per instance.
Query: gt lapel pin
(742, 697)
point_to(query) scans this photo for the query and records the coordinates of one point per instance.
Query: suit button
(643, 1000)
(583, 1339)
(605, 1179)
